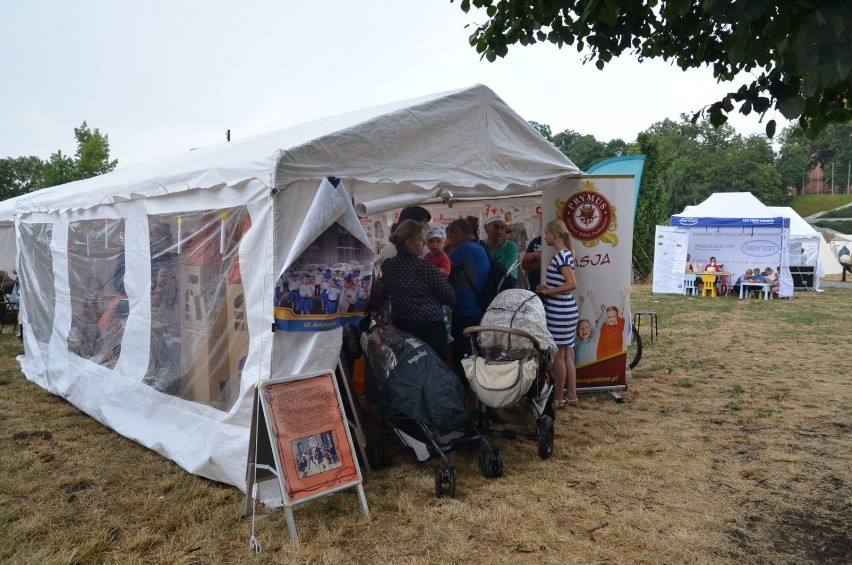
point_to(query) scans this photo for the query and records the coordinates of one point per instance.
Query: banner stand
(300, 439)
(598, 212)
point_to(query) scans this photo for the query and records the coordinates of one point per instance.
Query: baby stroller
(420, 402)
(510, 370)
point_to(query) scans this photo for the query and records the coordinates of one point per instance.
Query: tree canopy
(20, 175)
(685, 163)
(796, 52)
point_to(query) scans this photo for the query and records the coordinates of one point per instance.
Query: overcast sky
(163, 76)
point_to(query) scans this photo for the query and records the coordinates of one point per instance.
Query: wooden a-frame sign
(301, 439)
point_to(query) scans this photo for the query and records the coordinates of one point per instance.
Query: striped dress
(562, 311)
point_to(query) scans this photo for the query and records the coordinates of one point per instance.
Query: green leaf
(736, 53)
(609, 14)
(770, 129)
(760, 104)
(791, 108)
(810, 85)
(491, 11)
(600, 64)
(680, 7)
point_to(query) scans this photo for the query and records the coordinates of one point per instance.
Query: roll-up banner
(598, 212)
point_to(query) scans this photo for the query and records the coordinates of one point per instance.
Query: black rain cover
(413, 380)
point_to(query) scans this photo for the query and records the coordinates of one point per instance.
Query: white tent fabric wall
(804, 241)
(828, 259)
(467, 141)
(7, 246)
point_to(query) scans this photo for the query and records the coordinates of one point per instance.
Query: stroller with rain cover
(420, 402)
(510, 371)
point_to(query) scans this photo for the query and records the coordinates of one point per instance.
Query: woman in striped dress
(562, 311)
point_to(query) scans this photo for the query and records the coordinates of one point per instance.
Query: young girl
(333, 294)
(293, 288)
(773, 279)
(306, 294)
(348, 296)
(562, 311)
(586, 346)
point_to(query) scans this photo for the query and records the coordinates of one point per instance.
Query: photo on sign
(316, 454)
(328, 286)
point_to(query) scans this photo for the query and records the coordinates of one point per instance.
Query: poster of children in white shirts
(328, 286)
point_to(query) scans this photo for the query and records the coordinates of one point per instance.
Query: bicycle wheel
(634, 351)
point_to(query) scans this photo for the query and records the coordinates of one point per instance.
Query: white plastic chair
(689, 287)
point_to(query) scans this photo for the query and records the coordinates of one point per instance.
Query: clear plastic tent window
(99, 306)
(37, 281)
(199, 337)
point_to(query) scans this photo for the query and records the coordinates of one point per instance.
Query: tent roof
(728, 205)
(799, 228)
(467, 139)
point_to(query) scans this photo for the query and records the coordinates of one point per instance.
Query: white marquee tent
(805, 245)
(183, 254)
(741, 232)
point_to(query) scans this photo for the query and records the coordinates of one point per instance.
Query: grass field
(808, 204)
(733, 445)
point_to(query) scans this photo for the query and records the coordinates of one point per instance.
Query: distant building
(818, 182)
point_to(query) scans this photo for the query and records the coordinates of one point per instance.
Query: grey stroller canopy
(519, 309)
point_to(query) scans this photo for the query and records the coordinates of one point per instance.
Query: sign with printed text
(598, 212)
(310, 435)
(300, 439)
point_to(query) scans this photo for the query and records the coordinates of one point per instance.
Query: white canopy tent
(211, 230)
(741, 232)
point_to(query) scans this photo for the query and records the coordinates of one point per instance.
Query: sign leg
(291, 524)
(363, 500)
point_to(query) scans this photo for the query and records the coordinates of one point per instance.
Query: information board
(670, 251)
(300, 437)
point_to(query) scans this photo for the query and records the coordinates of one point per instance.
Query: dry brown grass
(733, 446)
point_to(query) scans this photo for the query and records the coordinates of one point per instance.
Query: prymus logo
(589, 216)
(760, 248)
(687, 221)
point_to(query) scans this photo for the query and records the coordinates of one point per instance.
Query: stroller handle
(513, 331)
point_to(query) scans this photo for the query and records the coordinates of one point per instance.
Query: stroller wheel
(494, 462)
(439, 482)
(452, 489)
(491, 463)
(484, 467)
(497, 463)
(545, 437)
